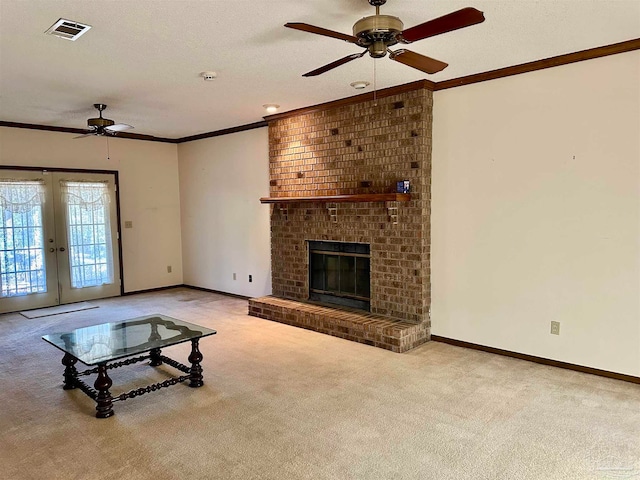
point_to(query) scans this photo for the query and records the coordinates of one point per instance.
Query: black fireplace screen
(339, 273)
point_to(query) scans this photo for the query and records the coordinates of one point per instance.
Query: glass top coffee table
(108, 345)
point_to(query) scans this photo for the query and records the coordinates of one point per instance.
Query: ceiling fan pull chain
(375, 84)
(108, 157)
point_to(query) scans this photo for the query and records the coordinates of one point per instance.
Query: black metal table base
(100, 392)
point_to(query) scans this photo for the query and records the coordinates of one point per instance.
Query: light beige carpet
(285, 403)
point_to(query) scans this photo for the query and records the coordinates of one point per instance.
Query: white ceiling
(143, 57)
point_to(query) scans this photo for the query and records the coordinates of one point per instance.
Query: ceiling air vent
(68, 29)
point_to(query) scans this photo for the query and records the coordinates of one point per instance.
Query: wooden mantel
(360, 197)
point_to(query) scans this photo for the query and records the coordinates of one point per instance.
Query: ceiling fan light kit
(376, 33)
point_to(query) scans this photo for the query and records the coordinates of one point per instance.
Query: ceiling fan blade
(305, 27)
(118, 127)
(420, 62)
(447, 23)
(88, 134)
(333, 65)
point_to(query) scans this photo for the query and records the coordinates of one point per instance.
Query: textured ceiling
(143, 57)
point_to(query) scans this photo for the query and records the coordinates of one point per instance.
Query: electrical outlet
(234, 276)
(168, 268)
(128, 224)
(250, 278)
(555, 328)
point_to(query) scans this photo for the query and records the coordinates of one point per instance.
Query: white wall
(149, 196)
(225, 229)
(536, 213)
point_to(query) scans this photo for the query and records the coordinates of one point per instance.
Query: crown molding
(226, 131)
(80, 131)
(589, 54)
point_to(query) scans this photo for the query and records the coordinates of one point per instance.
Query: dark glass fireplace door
(339, 274)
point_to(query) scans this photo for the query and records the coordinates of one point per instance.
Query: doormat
(45, 312)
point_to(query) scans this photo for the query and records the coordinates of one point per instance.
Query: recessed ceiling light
(359, 85)
(271, 107)
(68, 29)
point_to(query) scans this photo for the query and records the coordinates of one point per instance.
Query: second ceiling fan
(103, 126)
(377, 33)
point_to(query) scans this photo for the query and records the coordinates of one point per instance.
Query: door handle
(52, 250)
(61, 249)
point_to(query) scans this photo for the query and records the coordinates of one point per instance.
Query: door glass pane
(22, 267)
(90, 260)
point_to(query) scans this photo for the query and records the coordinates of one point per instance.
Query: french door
(58, 238)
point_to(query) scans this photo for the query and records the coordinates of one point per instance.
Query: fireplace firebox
(339, 274)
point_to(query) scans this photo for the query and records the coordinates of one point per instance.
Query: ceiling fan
(377, 33)
(103, 126)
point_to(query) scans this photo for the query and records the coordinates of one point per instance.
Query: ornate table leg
(154, 356)
(104, 408)
(196, 369)
(154, 336)
(70, 372)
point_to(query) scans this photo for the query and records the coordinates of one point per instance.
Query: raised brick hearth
(360, 148)
(348, 324)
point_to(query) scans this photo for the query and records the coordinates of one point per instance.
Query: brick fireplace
(352, 151)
